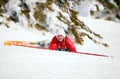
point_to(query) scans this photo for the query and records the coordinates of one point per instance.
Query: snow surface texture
(28, 63)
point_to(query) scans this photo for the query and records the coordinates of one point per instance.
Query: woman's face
(60, 37)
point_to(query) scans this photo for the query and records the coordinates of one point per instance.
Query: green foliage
(111, 8)
(25, 9)
(3, 2)
(40, 27)
(39, 14)
(2, 6)
(117, 2)
(14, 17)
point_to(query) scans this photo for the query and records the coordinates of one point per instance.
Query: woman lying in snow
(62, 42)
(59, 42)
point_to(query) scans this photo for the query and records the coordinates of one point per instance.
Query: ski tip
(111, 56)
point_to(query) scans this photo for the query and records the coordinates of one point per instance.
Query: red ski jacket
(65, 44)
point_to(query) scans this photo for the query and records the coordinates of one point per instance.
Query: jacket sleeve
(53, 45)
(70, 45)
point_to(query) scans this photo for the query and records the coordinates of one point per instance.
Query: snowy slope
(28, 63)
(110, 33)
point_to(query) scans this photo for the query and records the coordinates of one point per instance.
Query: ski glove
(60, 49)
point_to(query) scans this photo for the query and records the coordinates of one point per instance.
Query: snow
(30, 63)
(11, 8)
(83, 8)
